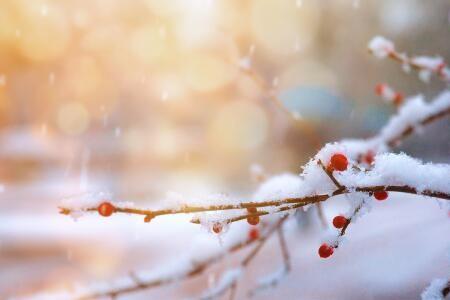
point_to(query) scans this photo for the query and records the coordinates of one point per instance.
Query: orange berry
(253, 234)
(251, 210)
(106, 209)
(217, 228)
(338, 162)
(380, 195)
(148, 218)
(325, 250)
(369, 157)
(398, 98)
(253, 220)
(379, 89)
(440, 68)
(339, 221)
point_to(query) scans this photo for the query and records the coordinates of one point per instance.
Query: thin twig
(244, 263)
(233, 291)
(330, 174)
(284, 249)
(343, 229)
(298, 202)
(411, 129)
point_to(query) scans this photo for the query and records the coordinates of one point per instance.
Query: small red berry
(325, 250)
(379, 89)
(440, 68)
(380, 195)
(338, 162)
(251, 210)
(253, 234)
(369, 157)
(398, 98)
(339, 221)
(253, 220)
(106, 209)
(217, 228)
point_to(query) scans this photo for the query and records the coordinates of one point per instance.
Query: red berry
(251, 210)
(253, 220)
(440, 68)
(217, 228)
(379, 89)
(380, 195)
(106, 209)
(338, 162)
(253, 234)
(369, 157)
(339, 221)
(325, 251)
(398, 98)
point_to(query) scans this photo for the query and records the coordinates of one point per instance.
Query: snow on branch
(437, 290)
(381, 48)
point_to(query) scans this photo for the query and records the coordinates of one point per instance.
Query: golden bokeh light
(73, 118)
(281, 27)
(44, 33)
(204, 72)
(238, 127)
(148, 44)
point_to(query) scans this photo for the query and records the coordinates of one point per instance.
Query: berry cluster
(339, 162)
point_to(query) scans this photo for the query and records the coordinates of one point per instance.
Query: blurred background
(143, 97)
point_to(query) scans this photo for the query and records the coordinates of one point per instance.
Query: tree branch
(244, 263)
(195, 270)
(282, 204)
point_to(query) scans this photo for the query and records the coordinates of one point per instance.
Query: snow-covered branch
(439, 289)
(425, 65)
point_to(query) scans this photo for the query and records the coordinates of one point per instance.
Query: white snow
(227, 279)
(270, 280)
(428, 62)
(381, 47)
(400, 170)
(434, 290)
(412, 113)
(279, 187)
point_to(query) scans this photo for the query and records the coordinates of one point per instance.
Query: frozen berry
(380, 195)
(398, 98)
(253, 220)
(106, 209)
(369, 157)
(253, 234)
(325, 251)
(217, 228)
(338, 162)
(339, 221)
(379, 89)
(251, 210)
(440, 68)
